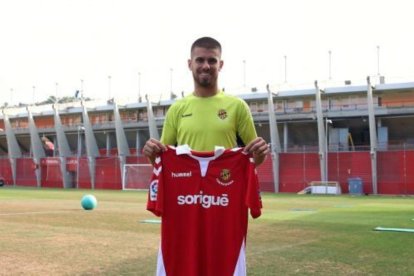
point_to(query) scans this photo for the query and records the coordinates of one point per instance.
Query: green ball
(89, 202)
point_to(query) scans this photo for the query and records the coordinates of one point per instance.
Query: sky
(126, 48)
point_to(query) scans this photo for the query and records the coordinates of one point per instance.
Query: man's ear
(189, 63)
(221, 65)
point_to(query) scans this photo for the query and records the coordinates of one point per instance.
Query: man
(48, 146)
(203, 196)
(208, 117)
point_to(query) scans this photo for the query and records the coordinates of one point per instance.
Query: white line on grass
(280, 247)
(35, 213)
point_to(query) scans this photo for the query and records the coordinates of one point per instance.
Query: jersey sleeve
(245, 123)
(155, 198)
(169, 129)
(253, 197)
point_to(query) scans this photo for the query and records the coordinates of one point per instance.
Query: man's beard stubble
(204, 82)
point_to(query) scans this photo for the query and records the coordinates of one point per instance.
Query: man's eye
(200, 60)
(212, 61)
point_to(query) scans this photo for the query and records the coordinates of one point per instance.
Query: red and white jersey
(203, 200)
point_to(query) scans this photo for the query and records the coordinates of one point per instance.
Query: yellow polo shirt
(203, 123)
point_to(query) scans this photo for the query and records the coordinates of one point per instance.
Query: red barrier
(108, 173)
(345, 165)
(110, 152)
(297, 170)
(395, 173)
(5, 171)
(51, 172)
(265, 175)
(25, 172)
(84, 176)
(409, 172)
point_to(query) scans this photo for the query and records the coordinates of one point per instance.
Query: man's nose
(205, 65)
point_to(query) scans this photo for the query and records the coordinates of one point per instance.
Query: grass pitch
(46, 232)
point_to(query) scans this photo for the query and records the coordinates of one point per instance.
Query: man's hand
(152, 148)
(259, 149)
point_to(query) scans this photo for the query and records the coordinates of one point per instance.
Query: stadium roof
(96, 106)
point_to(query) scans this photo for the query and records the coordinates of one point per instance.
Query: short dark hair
(206, 42)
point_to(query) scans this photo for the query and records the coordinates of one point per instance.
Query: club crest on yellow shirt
(222, 114)
(224, 179)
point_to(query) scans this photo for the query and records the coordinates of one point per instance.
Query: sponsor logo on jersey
(206, 201)
(222, 114)
(224, 178)
(180, 174)
(153, 190)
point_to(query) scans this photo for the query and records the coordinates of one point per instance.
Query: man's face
(205, 65)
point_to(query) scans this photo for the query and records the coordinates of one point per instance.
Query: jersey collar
(185, 149)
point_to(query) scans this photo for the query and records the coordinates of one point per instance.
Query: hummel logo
(187, 115)
(181, 174)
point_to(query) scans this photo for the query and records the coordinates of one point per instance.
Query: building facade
(330, 134)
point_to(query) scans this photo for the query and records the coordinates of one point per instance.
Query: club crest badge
(222, 114)
(225, 175)
(225, 178)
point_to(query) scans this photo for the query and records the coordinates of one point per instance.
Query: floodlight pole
(330, 64)
(57, 89)
(372, 136)
(139, 87)
(79, 153)
(327, 121)
(11, 96)
(81, 92)
(378, 60)
(244, 74)
(109, 87)
(274, 140)
(321, 134)
(33, 96)
(171, 84)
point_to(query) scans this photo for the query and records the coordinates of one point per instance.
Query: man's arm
(259, 149)
(257, 145)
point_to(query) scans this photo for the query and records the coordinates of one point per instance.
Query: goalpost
(136, 176)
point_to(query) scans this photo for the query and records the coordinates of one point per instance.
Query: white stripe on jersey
(160, 264)
(157, 171)
(240, 269)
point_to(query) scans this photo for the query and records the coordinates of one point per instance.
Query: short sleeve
(155, 192)
(253, 197)
(245, 124)
(169, 129)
